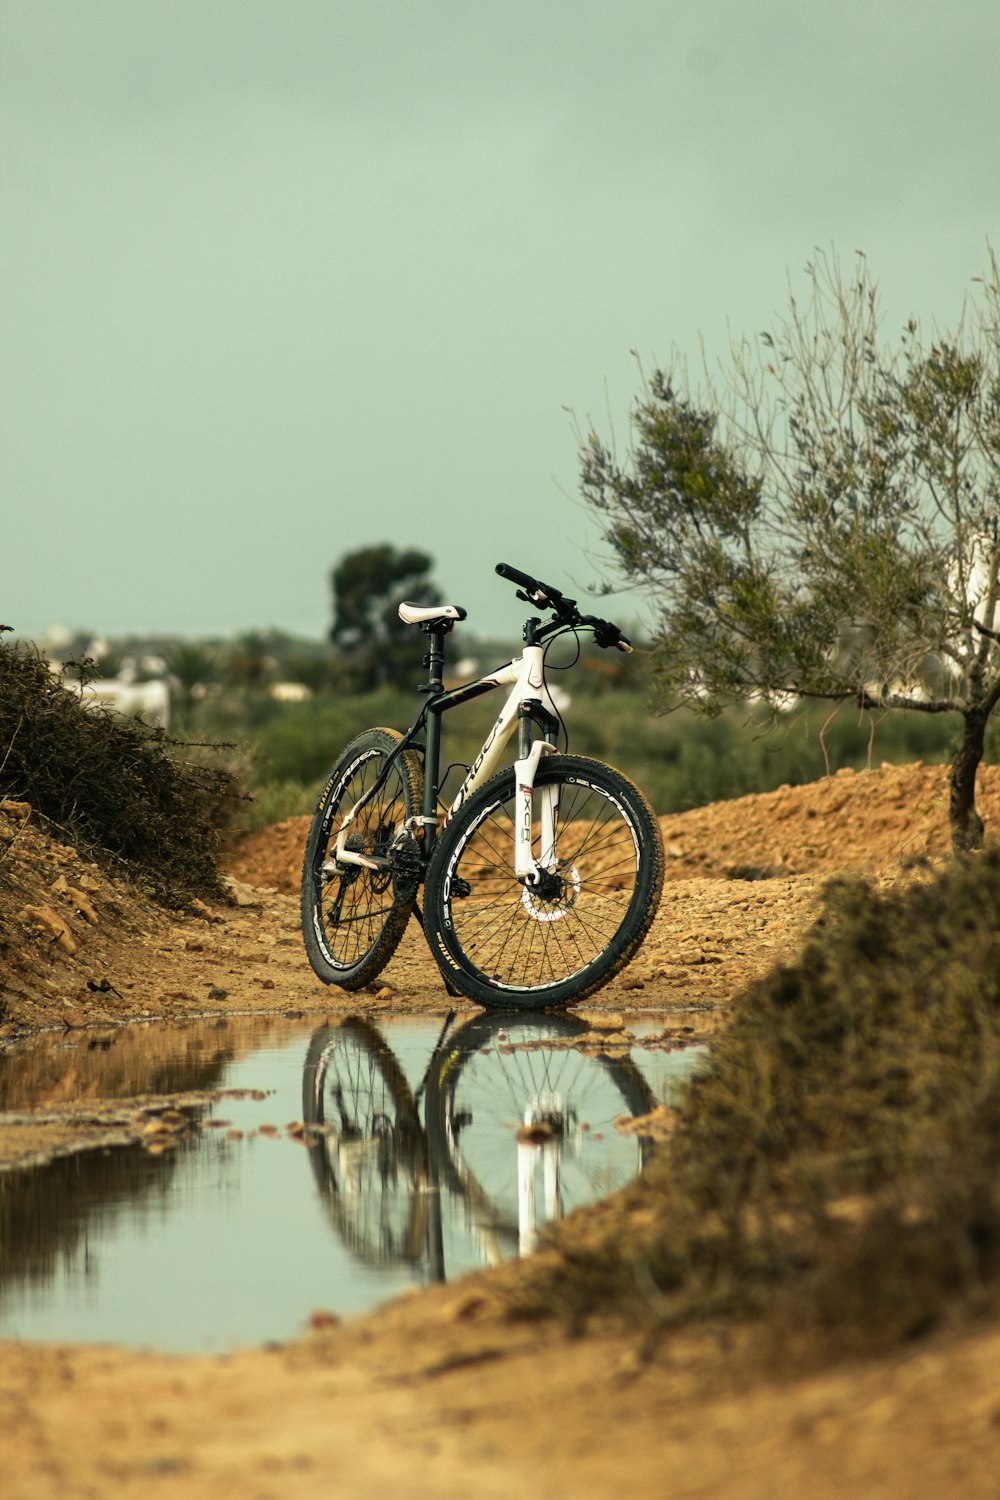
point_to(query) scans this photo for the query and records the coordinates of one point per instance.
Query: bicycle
(540, 881)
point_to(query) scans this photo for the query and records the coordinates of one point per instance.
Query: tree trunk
(966, 824)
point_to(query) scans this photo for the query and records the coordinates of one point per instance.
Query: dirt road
(443, 1393)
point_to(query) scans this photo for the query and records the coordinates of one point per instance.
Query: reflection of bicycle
(512, 1105)
(367, 1145)
(543, 880)
(509, 1104)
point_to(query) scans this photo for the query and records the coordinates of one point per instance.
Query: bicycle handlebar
(546, 596)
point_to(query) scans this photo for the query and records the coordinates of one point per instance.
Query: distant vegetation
(681, 760)
(286, 706)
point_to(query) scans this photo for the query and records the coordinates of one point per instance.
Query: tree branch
(901, 700)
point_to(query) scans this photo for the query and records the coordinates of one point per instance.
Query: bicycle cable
(572, 630)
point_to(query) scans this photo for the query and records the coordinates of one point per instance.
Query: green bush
(684, 760)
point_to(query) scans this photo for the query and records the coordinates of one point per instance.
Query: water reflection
(45, 1211)
(518, 1126)
(120, 1064)
(431, 1148)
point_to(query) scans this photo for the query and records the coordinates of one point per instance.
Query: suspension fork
(528, 870)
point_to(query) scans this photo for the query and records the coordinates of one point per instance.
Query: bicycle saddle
(419, 614)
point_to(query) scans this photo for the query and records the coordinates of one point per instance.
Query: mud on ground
(442, 1393)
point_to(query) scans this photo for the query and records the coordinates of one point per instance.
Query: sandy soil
(443, 1393)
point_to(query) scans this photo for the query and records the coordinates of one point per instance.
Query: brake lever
(607, 634)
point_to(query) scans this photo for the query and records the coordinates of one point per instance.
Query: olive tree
(822, 520)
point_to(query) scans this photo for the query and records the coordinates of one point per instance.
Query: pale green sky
(281, 278)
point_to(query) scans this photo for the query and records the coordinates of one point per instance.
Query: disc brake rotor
(555, 908)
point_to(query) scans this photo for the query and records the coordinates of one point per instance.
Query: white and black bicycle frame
(523, 709)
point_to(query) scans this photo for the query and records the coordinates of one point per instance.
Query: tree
(824, 521)
(368, 587)
(249, 661)
(194, 666)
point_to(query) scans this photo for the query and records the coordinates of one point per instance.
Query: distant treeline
(681, 760)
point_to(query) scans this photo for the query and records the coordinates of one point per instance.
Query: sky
(281, 279)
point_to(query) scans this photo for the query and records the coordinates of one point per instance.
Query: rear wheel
(365, 1143)
(508, 945)
(353, 916)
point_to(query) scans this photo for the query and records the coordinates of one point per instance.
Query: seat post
(434, 660)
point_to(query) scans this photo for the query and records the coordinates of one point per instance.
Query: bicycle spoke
(518, 937)
(368, 1152)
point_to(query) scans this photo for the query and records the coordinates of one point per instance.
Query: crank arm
(352, 857)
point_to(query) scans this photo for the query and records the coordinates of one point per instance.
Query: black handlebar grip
(514, 575)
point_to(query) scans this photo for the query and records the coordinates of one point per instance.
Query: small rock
(322, 1319)
(243, 895)
(15, 809)
(50, 921)
(200, 909)
(466, 1307)
(81, 904)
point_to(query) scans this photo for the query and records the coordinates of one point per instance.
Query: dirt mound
(270, 857)
(80, 946)
(868, 821)
(872, 822)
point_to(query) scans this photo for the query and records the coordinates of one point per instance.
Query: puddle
(329, 1168)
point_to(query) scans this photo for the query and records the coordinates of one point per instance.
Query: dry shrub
(113, 788)
(837, 1171)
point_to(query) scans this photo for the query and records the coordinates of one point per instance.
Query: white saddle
(419, 614)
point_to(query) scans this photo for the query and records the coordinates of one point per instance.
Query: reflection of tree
(120, 1066)
(503, 1094)
(45, 1210)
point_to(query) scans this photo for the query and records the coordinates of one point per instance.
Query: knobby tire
(507, 948)
(354, 917)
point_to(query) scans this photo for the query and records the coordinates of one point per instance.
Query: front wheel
(353, 916)
(510, 946)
